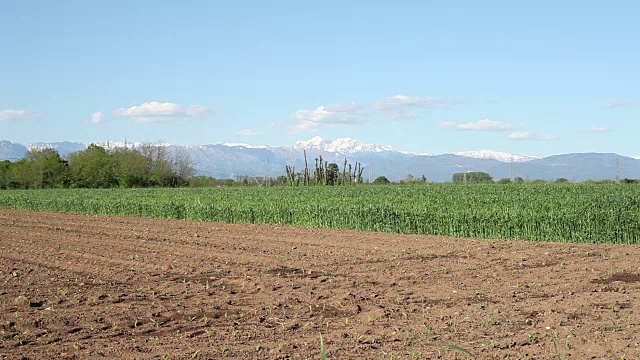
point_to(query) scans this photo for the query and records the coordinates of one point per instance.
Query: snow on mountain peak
(496, 155)
(112, 145)
(345, 145)
(349, 145)
(245, 145)
(314, 142)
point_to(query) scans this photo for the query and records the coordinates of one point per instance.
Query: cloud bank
(10, 115)
(480, 125)
(402, 101)
(329, 116)
(530, 135)
(398, 107)
(394, 108)
(161, 112)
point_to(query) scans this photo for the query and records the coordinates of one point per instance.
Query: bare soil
(84, 286)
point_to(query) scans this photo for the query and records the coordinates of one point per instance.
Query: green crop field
(595, 213)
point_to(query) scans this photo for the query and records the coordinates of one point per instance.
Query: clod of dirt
(22, 302)
(619, 277)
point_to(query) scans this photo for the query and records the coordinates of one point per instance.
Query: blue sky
(539, 78)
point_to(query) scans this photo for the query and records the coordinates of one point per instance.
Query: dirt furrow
(86, 286)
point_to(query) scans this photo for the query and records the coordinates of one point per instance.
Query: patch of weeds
(221, 350)
(454, 347)
(409, 339)
(558, 354)
(323, 351)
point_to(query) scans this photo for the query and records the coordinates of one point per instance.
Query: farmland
(95, 286)
(593, 213)
(209, 279)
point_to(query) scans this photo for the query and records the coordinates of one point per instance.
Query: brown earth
(82, 286)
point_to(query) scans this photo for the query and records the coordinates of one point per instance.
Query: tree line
(96, 167)
(153, 165)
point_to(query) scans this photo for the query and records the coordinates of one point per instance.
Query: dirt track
(81, 286)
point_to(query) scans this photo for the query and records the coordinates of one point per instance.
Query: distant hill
(10, 151)
(575, 167)
(232, 159)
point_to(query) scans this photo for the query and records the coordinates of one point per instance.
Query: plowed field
(84, 286)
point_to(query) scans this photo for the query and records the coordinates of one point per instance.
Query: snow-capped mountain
(497, 155)
(352, 146)
(248, 146)
(343, 146)
(338, 146)
(63, 147)
(112, 145)
(10, 151)
(228, 160)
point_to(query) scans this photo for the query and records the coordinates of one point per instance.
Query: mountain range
(233, 159)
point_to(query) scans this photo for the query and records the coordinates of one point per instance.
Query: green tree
(5, 168)
(472, 177)
(518, 180)
(333, 173)
(130, 168)
(382, 180)
(42, 169)
(95, 167)
(17, 177)
(92, 168)
(504, 181)
(158, 165)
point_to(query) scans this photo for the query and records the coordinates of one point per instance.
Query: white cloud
(247, 132)
(530, 135)
(480, 125)
(158, 112)
(394, 108)
(402, 102)
(399, 106)
(599, 129)
(16, 115)
(97, 117)
(329, 116)
(616, 104)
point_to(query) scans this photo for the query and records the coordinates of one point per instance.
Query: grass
(454, 347)
(323, 352)
(559, 355)
(582, 213)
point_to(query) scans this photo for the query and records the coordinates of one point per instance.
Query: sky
(538, 78)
